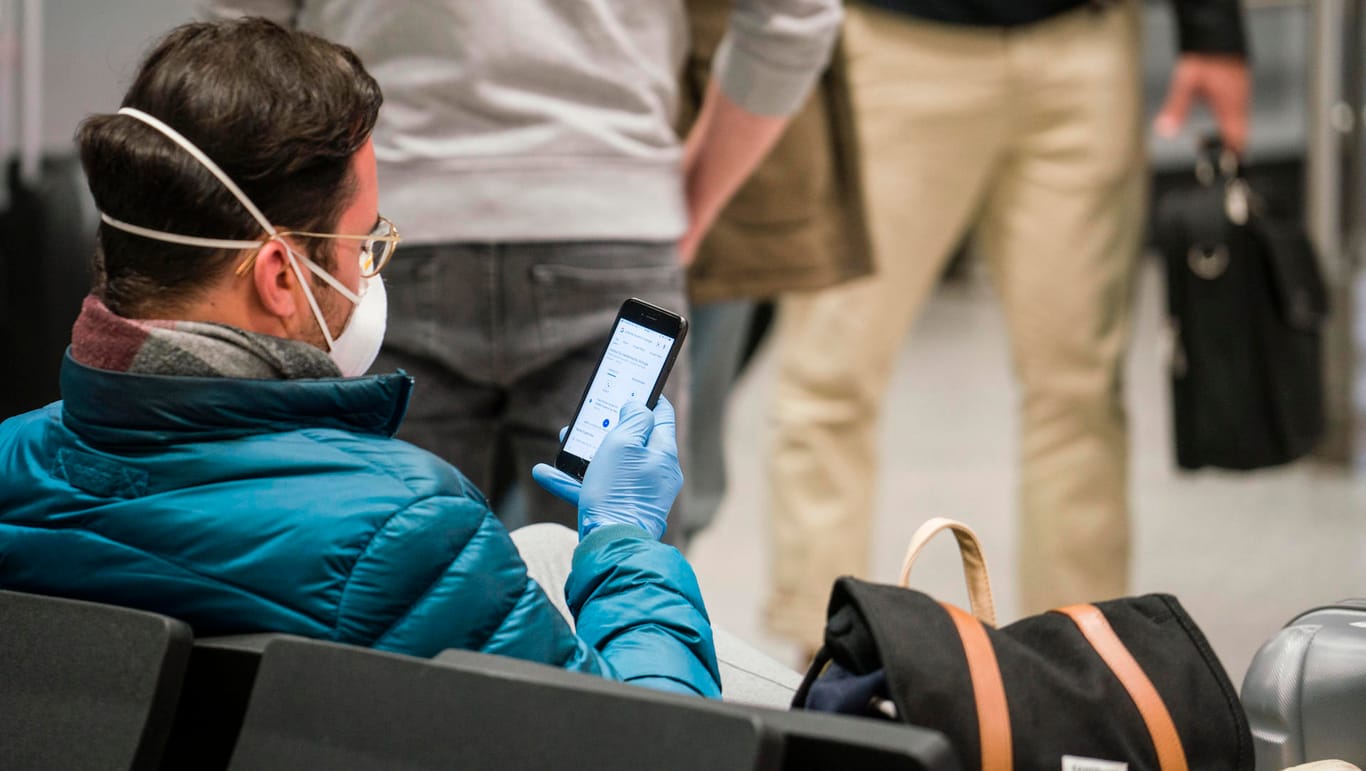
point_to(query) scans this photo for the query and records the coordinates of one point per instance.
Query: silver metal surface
(9, 71)
(31, 93)
(1323, 166)
(1323, 212)
(1354, 208)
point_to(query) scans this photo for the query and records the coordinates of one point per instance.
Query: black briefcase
(1246, 305)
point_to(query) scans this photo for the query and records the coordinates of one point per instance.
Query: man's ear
(273, 275)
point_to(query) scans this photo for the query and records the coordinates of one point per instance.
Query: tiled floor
(1244, 553)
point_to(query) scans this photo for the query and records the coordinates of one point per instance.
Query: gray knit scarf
(105, 340)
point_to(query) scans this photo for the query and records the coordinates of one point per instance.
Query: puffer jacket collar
(120, 408)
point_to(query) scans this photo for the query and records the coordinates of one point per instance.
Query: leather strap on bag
(1097, 631)
(993, 714)
(974, 563)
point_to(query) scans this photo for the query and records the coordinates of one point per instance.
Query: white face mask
(355, 349)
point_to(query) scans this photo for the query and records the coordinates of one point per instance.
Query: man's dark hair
(281, 111)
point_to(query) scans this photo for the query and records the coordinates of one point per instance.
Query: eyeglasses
(377, 247)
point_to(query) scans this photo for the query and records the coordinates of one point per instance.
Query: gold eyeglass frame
(393, 238)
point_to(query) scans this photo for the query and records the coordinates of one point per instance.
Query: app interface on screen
(628, 372)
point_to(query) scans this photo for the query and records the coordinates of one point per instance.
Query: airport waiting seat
(814, 741)
(809, 740)
(213, 700)
(85, 685)
(322, 705)
(328, 705)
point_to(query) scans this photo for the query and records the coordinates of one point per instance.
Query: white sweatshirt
(536, 120)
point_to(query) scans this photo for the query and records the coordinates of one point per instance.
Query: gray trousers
(502, 339)
(717, 342)
(747, 675)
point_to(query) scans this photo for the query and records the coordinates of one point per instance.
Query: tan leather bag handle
(974, 563)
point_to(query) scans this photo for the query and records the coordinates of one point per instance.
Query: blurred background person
(798, 223)
(1020, 121)
(529, 151)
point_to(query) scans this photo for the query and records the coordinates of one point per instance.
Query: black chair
(813, 741)
(809, 740)
(84, 685)
(321, 705)
(213, 700)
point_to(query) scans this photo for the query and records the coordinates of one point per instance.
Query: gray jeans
(502, 339)
(747, 675)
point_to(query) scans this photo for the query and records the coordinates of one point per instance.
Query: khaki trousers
(1033, 138)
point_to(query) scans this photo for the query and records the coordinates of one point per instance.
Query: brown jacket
(799, 222)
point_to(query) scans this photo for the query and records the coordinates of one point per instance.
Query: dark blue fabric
(983, 13)
(839, 690)
(1203, 26)
(253, 505)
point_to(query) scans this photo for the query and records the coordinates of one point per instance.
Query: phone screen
(635, 357)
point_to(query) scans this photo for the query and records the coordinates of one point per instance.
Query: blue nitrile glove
(634, 477)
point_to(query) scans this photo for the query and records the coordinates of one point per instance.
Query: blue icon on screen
(605, 422)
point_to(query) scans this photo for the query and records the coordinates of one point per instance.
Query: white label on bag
(1074, 763)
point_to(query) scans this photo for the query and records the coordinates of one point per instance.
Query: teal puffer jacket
(260, 505)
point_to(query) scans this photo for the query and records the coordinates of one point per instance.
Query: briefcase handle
(1214, 161)
(1215, 164)
(974, 563)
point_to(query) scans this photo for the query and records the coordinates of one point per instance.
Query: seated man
(217, 457)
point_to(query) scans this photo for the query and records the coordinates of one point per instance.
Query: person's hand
(634, 477)
(1222, 81)
(723, 148)
(688, 245)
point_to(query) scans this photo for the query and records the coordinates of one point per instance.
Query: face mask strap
(205, 161)
(220, 243)
(312, 302)
(176, 238)
(216, 243)
(328, 278)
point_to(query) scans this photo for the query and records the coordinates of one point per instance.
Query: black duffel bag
(1246, 305)
(1124, 684)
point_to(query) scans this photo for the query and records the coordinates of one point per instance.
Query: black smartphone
(640, 353)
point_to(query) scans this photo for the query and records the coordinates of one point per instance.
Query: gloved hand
(634, 477)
